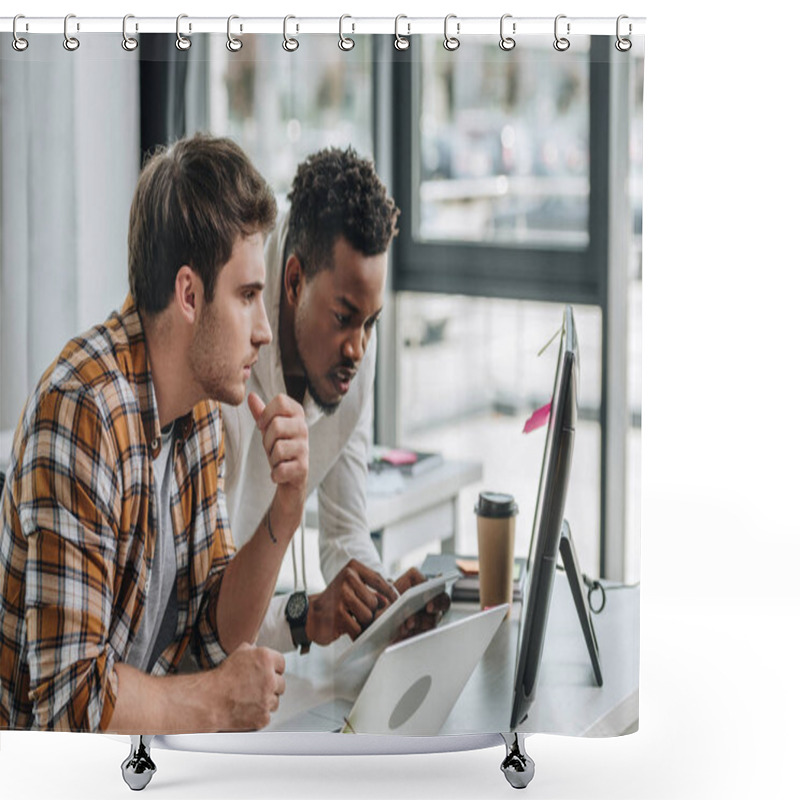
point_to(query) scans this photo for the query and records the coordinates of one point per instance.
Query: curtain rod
(404, 25)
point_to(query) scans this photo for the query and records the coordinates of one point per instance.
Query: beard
(327, 407)
(211, 365)
(314, 383)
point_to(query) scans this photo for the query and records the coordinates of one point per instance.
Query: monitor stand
(569, 558)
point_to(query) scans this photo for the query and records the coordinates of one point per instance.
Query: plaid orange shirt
(78, 531)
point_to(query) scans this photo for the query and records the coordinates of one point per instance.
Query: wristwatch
(296, 615)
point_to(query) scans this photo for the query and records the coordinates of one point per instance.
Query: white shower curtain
(518, 175)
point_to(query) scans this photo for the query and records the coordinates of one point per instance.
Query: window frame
(530, 272)
(595, 275)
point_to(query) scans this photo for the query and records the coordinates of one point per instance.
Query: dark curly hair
(337, 193)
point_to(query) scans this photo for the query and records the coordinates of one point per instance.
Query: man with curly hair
(326, 275)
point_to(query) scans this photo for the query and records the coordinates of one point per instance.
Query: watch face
(296, 606)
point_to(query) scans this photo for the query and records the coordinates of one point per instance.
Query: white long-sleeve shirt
(338, 453)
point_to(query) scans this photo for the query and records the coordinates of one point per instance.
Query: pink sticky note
(399, 458)
(538, 418)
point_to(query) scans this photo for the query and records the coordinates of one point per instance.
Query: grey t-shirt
(157, 626)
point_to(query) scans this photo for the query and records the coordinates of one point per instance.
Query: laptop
(412, 688)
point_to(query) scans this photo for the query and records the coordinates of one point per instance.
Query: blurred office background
(518, 175)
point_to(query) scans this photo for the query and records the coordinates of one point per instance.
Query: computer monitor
(549, 528)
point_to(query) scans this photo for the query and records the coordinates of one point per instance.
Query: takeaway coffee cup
(496, 515)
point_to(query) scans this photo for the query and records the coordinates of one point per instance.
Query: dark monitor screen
(546, 534)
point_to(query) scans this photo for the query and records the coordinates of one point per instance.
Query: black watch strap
(296, 616)
(300, 638)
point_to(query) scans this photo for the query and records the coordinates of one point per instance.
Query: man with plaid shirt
(115, 548)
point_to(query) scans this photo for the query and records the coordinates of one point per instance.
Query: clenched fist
(248, 685)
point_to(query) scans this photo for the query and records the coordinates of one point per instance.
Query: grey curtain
(69, 142)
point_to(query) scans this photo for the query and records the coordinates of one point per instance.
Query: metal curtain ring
(70, 42)
(233, 44)
(289, 44)
(451, 43)
(561, 43)
(181, 42)
(345, 43)
(623, 44)
(506, 42)
(129, 43)
(400, 42)
(18, 43)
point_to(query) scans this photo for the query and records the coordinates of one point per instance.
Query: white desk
(567, 700)
(425, 512)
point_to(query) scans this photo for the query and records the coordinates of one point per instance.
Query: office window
(281, 109)
(492, 160)
(509, 194)
(498, 189)
(503, 147)
(471, 377)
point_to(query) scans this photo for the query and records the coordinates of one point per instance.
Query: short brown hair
(192, 202)
(337, 193)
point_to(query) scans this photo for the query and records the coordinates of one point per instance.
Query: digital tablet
(385, 628)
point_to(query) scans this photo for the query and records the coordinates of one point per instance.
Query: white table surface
(568, 700)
